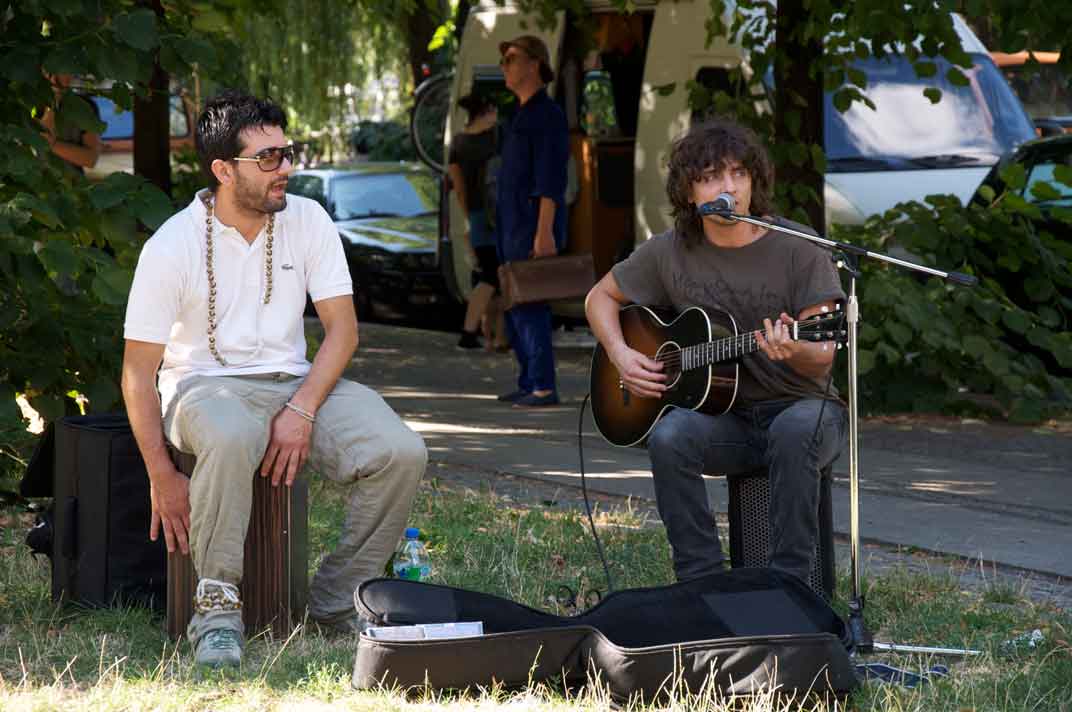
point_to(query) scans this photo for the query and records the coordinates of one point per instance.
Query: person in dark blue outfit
(531, 207)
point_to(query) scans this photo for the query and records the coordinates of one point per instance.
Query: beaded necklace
(212, 275)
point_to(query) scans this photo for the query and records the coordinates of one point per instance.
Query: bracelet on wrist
(300, 411)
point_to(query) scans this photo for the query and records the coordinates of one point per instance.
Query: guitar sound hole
(670, 356)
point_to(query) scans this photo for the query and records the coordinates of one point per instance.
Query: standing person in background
(530, 210)
(79, 149)
(470, 151)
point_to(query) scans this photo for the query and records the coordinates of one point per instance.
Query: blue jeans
(529, 328)
(776, 435)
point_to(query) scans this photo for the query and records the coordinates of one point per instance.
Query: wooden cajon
(275, 570)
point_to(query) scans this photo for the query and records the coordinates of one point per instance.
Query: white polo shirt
(169, 297)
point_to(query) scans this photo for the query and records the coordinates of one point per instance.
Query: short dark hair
(475, 105)
(710, 145)
(225, 117)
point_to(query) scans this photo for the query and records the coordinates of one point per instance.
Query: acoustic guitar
(699, 349)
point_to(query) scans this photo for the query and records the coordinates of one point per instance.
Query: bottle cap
(412, 532)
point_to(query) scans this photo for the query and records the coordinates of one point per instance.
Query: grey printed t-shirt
(775, 273)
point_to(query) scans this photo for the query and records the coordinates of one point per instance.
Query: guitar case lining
(744, 631)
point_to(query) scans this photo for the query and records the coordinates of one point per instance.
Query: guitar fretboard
(719, 350)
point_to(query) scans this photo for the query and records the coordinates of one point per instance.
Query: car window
(978, 122)
(308, 187)
(384, 194)
(1057, 193)
(119, 124)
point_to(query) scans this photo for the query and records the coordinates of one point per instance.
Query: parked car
(387, 217)
(1046, 160)
(1047, 187)
(1044, 88)
(117, 140)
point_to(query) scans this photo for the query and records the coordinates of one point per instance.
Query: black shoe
(513, 397)
(532, 400)
(468, 341)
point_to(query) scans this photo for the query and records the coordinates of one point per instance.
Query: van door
(676, 55)
(477, 63)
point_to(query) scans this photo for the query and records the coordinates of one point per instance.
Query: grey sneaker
(219, 647)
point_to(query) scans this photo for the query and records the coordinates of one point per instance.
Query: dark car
(387, 218)
(1047, 165)
(1040, 173)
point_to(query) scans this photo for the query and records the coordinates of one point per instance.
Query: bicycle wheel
(428, 120)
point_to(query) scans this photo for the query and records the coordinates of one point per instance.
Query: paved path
(991, 492)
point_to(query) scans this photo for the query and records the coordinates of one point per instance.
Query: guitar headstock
(821, 327)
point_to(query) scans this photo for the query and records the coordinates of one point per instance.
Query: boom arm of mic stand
(966, 280)
(864, 643)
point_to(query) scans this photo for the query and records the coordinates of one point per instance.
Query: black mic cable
(584, 492)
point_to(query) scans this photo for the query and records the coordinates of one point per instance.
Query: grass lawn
(74, 659)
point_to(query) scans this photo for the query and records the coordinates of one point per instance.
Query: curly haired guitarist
(765, 281)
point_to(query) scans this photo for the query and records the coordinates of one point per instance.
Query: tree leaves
(137, 29)
(665, 89)
(1008, 337)
(34, 208)
(956, 77)
(113, 190)
(21, 64)
(152, 206)
(59, 258)
(68, 246)
(148, 203)
(1042, 190)
(76, 113)
(925, 69)
(112, 285)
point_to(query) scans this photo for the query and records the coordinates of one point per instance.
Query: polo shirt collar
(200, 212)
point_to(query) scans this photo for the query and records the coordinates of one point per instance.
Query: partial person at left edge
(217, 306)
(78, 148)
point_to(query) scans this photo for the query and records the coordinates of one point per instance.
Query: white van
(626, 100)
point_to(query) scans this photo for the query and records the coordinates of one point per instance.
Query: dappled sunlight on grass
(523, 548)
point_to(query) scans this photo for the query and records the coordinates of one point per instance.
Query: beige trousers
(358, 441)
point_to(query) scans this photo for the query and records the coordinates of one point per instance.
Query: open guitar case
(744, 631)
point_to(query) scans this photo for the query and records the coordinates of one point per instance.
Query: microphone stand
(847, 257)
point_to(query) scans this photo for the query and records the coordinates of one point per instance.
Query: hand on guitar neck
(776, 340)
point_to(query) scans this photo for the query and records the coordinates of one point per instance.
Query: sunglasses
(510, 57)
(270, 158)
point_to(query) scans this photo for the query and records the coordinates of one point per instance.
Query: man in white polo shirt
(217, 305)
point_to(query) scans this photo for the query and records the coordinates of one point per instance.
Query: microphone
(722, 205)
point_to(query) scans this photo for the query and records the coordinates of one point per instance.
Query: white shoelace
(229, 590)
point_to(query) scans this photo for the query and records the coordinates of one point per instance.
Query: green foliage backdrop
(67, 245)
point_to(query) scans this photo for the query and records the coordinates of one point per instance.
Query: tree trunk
(461, 15)
(420, 26)
(152, 122)
(798, 88)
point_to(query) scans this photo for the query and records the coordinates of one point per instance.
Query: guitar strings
(741, 340)
(747, 339)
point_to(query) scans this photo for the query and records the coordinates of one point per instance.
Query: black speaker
(750, 527)
(101, 552)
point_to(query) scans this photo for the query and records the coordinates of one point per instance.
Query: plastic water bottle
(412, 562)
